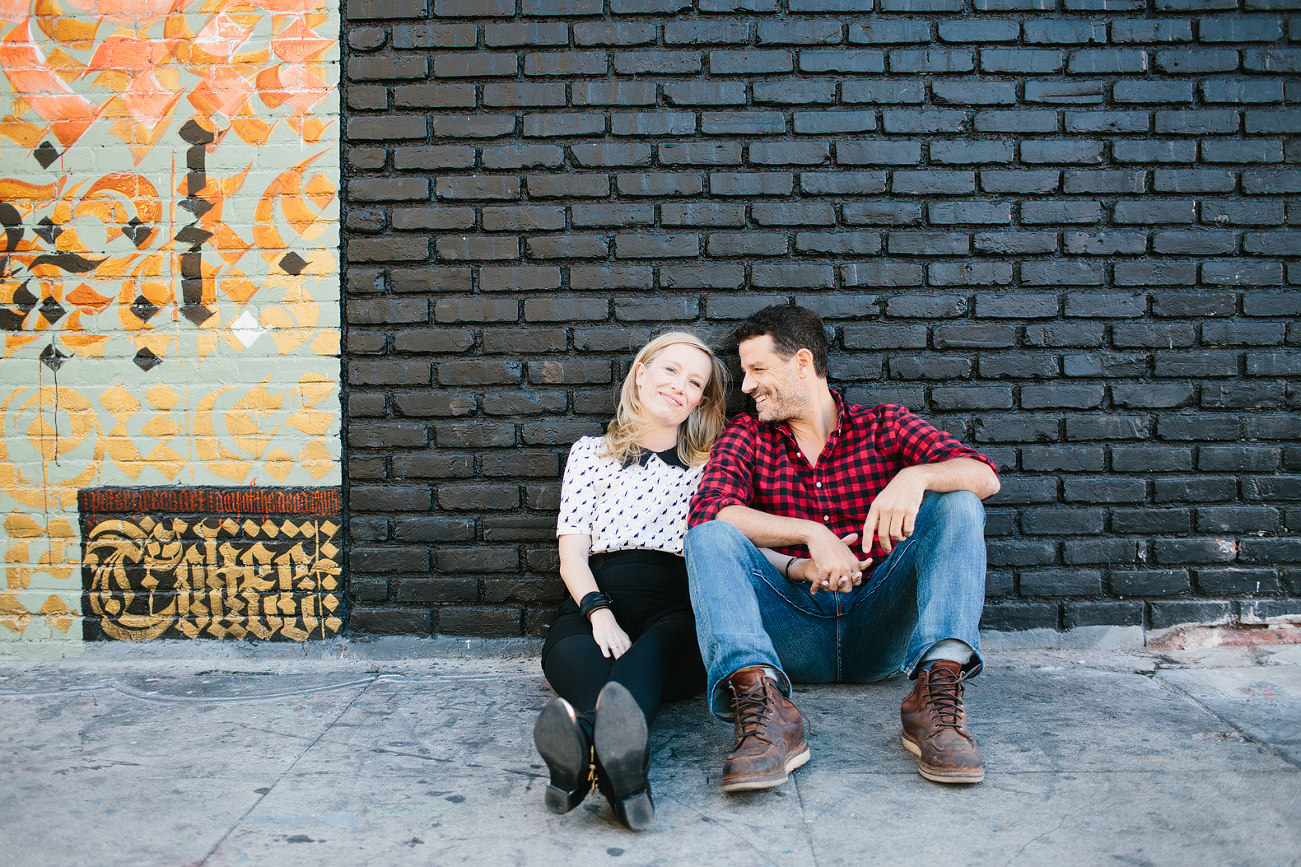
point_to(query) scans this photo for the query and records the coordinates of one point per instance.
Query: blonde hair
(697, 434)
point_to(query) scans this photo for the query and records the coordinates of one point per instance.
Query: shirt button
(826, 517)
(819, 484)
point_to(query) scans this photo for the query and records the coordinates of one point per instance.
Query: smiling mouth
(668, 398)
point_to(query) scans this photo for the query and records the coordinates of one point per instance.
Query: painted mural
(169, 307)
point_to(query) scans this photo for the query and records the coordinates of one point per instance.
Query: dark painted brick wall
(1068, 235)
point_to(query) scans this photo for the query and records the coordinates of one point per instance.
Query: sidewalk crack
(287, 771)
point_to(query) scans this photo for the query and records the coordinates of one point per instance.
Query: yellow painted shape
(279, 464)
(120, 402)
(13, 615)
(161, 396)
(162, 427)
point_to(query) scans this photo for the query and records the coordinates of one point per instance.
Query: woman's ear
(638, 371)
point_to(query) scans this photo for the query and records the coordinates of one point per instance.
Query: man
(809, 493)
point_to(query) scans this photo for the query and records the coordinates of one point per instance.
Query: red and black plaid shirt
(761, 466)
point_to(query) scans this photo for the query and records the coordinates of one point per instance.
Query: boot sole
(556, 736)
(756, 783)
(942, 776)
(621, 752)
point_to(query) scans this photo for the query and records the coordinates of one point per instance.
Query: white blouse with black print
(640, 505)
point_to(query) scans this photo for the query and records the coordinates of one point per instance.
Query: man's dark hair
(791, 328)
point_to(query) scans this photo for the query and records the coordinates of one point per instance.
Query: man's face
(778, 392)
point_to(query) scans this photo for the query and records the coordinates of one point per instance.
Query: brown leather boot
(769, 734)
(935, 727)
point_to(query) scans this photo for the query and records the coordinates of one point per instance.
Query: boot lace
(944, 694)
(751, 708)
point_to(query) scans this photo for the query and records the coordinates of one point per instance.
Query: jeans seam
(759, 573)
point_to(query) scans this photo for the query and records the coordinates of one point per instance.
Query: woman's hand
(612, 640)
(835, 576)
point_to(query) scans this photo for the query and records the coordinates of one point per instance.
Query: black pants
(649, 592)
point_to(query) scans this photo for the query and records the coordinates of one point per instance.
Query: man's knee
(957, 509)
(714, 538)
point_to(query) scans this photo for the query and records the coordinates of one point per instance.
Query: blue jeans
(930, 587)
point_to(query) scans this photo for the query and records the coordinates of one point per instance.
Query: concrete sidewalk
(346, 753)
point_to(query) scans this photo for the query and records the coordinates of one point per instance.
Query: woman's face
(673, 383)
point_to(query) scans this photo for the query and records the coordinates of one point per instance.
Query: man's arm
(833, 565)
(894, 511)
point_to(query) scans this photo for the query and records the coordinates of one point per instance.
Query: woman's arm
(579, 581)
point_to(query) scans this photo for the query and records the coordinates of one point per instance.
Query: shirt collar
(669, 456)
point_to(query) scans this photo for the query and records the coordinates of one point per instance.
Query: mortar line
(1273, 750)
(285, 773)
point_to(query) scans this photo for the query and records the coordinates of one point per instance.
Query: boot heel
(562, 746)
(622, 756)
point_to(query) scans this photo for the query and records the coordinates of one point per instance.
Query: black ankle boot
(567, 750)
(623, 757)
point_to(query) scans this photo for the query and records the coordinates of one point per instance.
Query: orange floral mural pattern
(168, 223)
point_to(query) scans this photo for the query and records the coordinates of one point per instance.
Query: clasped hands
(832, 564)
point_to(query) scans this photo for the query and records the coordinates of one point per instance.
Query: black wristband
(594, 601)
(787, 570)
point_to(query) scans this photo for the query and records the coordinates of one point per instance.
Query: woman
(625, 637)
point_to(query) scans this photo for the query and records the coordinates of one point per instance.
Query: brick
(645, 246)
(793, 275)
(974, 92)
(792, 92)
(1011, 243)
(1201, 427)
(1150, 459)
(583, 216)
(1174, 613)
(1061, 151)
(620, 93)
(1021, 60)
(824, 122)
(1149, 582)
(884, 91)
(568, 186)
(882, 213)
(1271, 181)
(751, 183)
(838, 243)
(1061, 211)
(1061, 582)
(1154, 151)
(799, 32)
(935, 182)
(1242, 272)
(1061, 522)
(969, 273)
(1016, 617)
(1107, 121)
(1103, 490)
(701, 214)
(491, 126)
(1016, 181)
(929, 243)
(473, 66)
(1196, 243)
(1238, 519)
(789, 153)
(742, 123)
(1062, 273)
(563, 125)
(1245, 396)
(660, 184)
(1105, 365)
(1105, 243)
(1183, 304)
(1107, 428)
(793, 213)
(1063, 334)
(1102, 614)
(842, 183)
(940, 367)
(700, 153)
(518, 278)
(879, 153)
(924, 120)
(522, 157)
(1061, 396)
(617, 277)
(680, 93)
(1021, 553)
(971, 398)
(753, 62)
(1154, 211)
(527, 94)
(433, 340)
(1268, 121)
(641, 310)
(884, 337)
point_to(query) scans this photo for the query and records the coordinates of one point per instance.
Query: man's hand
(612, 640)
(832, 564)
(894, 511)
